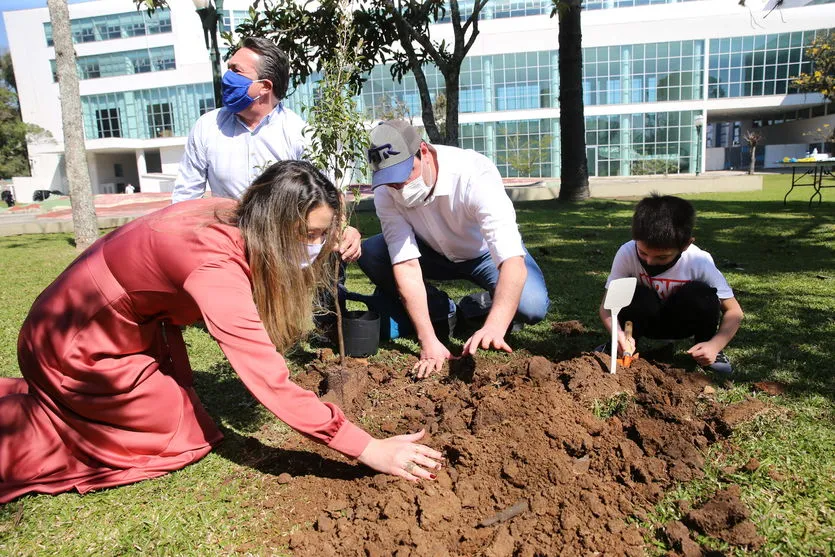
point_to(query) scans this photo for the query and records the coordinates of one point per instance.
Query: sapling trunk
(339, 334)
(337, 377)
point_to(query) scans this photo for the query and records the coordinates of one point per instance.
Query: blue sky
(11, 5)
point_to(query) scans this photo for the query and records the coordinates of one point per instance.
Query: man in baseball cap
(392, 152)
(445, 216)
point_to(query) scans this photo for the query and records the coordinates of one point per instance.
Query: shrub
(653, 166)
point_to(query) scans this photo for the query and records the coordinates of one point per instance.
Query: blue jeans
(376, 263)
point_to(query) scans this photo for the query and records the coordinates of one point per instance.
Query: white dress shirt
(223, 153)
(469, 213)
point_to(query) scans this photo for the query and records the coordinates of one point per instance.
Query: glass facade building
(618, 144)
(501, 9)
(123, 63)
(147, 113)
(646, 142)
(115, 26)
(644, 83)
(626, 74)
(758, 65)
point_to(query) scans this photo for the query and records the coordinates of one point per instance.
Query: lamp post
(210, 14)
(699, 122)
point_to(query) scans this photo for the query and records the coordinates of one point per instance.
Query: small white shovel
(618, 296)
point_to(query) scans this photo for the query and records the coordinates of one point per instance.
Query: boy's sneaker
(722, 364)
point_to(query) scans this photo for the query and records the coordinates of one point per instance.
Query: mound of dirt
(543, 458)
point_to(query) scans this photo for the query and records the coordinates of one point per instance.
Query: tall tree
(307, 32)
(821, 78)
(14, 159)
(7, 70)
(574, 173)
(412, 20)
(752, 139)
(84, 222)
(15, 134)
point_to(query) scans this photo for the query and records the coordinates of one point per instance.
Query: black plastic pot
(361, 331)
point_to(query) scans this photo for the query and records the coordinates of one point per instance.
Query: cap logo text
(378, 154)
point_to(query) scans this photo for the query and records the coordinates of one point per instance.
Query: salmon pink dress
(106, 397)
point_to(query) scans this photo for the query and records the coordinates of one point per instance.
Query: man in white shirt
(231, 146)
(445, 216)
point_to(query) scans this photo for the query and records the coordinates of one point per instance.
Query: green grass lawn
(779, 259)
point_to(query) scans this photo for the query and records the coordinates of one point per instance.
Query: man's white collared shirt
(469, 213)
(224, 154)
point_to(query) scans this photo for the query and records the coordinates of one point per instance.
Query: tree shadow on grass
(252, 453)
(238, 414)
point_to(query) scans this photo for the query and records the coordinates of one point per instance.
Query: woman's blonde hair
(272, 218)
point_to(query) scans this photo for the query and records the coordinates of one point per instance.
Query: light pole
(210, 14)
(699, 122)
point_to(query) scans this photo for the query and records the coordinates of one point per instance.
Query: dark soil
(726, 517)
(770, 387)
(532, 470)
(568, 328)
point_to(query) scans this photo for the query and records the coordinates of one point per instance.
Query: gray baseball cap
(392, 152)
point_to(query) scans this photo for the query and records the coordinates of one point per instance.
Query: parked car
(43, 195)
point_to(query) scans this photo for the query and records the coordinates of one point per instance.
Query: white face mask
(313, 251)
(413, 194)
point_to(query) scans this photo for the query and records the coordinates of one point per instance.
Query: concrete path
(56, 215)
(113, 210)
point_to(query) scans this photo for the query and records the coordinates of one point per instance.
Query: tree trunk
(753, 159)
(84, 222)
(452, 95)
(427, 114)
(574, 175)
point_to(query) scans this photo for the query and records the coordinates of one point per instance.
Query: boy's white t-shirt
(694, 265)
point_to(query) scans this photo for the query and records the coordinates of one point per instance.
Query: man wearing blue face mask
(445, 216)
(230, 146)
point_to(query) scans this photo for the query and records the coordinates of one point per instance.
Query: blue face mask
(235, 91)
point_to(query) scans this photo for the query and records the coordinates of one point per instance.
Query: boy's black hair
(664, 221)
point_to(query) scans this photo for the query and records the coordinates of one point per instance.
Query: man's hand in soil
(402, 456)
(487, 337)
(433, 354)
(350, 246)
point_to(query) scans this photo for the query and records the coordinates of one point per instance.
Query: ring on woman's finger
(409, 467)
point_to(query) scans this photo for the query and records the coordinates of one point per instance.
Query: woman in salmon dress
(106, 397)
